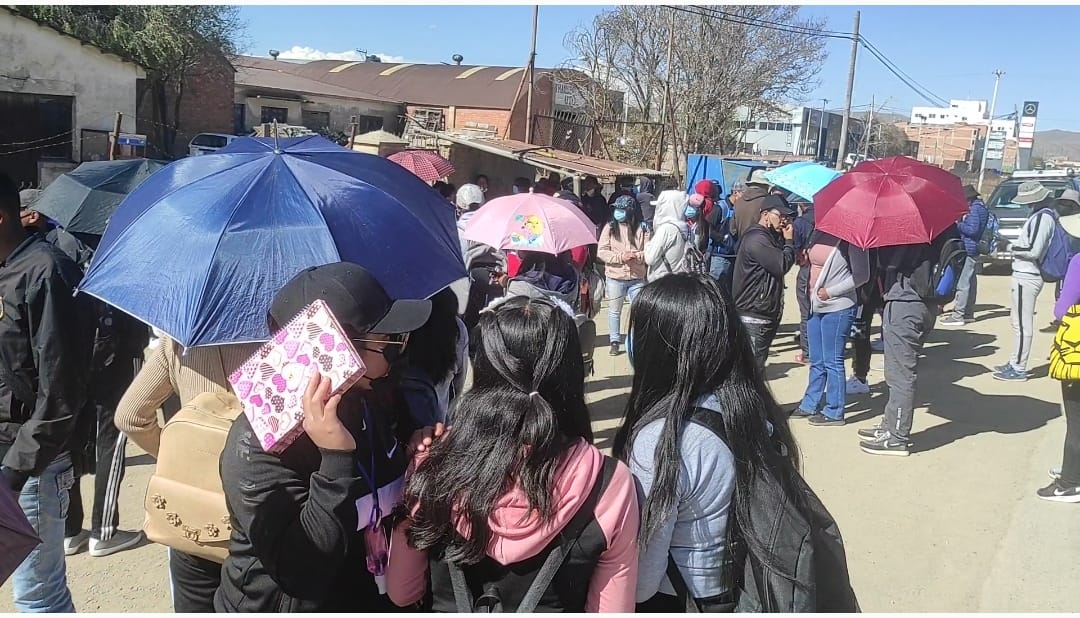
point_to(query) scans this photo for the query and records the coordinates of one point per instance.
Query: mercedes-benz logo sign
(1030, 109)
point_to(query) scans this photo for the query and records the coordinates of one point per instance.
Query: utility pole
(847, 97)
(820, 150)
(989, 129)
(869, 124)
(532, 66)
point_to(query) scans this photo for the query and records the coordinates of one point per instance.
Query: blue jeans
(722, 269)
(40, 582)
(827, 334)
(617, 291)
(966, 289)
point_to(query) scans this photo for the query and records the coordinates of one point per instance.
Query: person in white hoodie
(665, 250)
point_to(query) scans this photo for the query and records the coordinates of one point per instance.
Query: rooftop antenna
(458, 58)
(274, 54)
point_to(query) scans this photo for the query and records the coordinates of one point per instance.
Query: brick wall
(206, 107)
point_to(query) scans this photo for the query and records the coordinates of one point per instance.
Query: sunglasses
(392, 349)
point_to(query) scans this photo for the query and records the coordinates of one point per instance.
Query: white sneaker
(77, 543)
(120, 540)
(855, 386)
(1054, 473)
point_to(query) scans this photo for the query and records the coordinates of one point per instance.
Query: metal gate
(33, 127)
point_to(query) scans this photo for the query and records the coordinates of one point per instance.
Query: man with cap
(1028, 251)
(304, 521)
(747, 208)
(971, 229)
(766, 253)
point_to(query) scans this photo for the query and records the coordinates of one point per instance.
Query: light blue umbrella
(803, 178)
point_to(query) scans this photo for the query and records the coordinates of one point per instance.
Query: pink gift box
(271, 384)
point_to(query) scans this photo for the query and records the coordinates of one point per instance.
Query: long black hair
(433, 347)
(690, 342)
(526, 407)
(633, 219)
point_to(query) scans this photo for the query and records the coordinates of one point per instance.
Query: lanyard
(369, 476)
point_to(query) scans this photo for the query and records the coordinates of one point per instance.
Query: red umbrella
(427, 165)
(897, 201)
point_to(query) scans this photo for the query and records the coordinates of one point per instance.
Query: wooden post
(114, 137)
(352, 132)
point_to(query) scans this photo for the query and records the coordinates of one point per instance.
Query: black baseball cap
(775, 202)
(355, 297)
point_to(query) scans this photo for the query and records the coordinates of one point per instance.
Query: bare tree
(721, 61)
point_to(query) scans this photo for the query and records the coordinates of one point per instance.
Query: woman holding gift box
(308, 531)
(568, 516)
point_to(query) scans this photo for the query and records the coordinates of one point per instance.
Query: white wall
(959, 111)
(102, 84)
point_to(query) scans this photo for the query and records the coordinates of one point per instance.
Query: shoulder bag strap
(462, 597)
(682, 592)
(569, 535)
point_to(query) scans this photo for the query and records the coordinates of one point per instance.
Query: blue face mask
(620, 215)
(690, 212)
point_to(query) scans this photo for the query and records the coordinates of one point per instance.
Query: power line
(910, 82)
(756, 23)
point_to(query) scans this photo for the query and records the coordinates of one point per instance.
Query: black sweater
(295, 545)
(764, 258)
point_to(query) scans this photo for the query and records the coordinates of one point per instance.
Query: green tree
(172, 43)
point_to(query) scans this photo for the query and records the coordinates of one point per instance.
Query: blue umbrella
(82, 200)
(803, 178)
(200, 248)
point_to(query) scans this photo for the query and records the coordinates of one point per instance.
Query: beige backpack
(185, 503)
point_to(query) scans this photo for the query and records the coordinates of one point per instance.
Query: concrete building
(58, 99)
(273, 90)
(205, 107)
(960, 111)
(796, 131)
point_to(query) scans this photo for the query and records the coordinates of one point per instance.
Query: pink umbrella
(530, 222)
(426, 165)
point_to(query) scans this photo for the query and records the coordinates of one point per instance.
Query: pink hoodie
(614, 582)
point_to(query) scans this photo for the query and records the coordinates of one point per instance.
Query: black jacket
(295, 545)
(45, 342)
(764, 258)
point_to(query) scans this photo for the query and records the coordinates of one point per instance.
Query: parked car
(205, 143)
(1011, 216)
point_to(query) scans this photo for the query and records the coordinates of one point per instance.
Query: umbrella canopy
(199, 250)
(803, 178)
(83, 200)
(897, 201)
(17, 537)
(428, 166)
(531, 222)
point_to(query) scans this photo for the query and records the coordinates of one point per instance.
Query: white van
(205, 143)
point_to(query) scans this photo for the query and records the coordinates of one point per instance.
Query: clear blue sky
(952, 51)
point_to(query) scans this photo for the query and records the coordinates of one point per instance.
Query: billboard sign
(1029, 113)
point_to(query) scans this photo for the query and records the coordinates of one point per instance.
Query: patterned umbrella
(427, 165)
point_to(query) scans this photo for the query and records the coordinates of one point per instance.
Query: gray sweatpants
(904, 328)
(1025, 291)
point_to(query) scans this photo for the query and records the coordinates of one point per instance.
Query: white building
(961, 111)
(57, 93)
(795, 130)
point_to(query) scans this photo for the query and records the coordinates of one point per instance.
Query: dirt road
(954, 527)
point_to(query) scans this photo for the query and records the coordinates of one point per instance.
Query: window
(788, 127)
(367, 124)
(963, 119)
(762, 126)
(933, 115)
(210, 140)
(315, 120)
(279, 115)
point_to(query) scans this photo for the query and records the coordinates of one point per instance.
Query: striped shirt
(170, 371)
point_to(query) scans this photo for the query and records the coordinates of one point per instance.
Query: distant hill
(1057, 142)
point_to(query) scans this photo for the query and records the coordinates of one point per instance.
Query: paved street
(954, 527)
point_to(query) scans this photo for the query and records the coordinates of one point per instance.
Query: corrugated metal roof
(260, 73)
(548, 158)
(439, 85)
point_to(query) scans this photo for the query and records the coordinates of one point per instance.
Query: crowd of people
(419, 489)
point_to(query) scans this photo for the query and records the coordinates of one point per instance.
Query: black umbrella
(82, 200)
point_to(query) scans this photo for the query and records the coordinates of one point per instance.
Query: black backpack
(803, 540)
(490, 597)
(936, 278)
